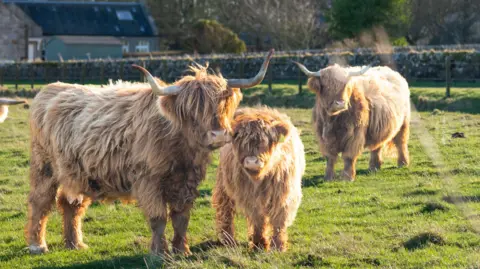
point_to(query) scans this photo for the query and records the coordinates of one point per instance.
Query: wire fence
(25, 77)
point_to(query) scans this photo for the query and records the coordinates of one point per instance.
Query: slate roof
(88, 18)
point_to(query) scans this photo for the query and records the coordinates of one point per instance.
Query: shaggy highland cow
(146, 142)
(4, 103)
(260, 173)
(356, 109)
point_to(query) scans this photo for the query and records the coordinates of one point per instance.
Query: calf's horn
(306, 71)
(250, 82)
(156, 88)
(359, 73)
(4, 101)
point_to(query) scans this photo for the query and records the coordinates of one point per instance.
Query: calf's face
(254, 143)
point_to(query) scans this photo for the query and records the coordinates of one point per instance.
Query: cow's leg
(159, 243)
(150, 200)
(180, 219)
(43, 188)
(375, 159)
(280, 236)
(349, 172)
(73, 209)
(224, 215)
(401, 143)
(257, 232)
(330, 170)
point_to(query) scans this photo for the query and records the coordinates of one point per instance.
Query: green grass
(426, 215)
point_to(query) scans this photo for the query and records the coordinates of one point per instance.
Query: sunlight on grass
(422, 216)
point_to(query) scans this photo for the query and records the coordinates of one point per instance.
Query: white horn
(359, 73)
(250, 82)
(306, 71)
(5, 101)
(157, 89)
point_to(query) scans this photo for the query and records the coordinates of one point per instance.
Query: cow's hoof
(34, 249)
(79, 245)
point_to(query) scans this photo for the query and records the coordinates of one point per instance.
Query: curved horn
(156, 88)
(250, 82)
(306, 71)
(4, 101)
(359, 73)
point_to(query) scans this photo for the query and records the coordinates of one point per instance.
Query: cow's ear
(314, 85)
(282, 131)
(167, 107)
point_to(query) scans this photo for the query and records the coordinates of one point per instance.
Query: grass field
(426, 215)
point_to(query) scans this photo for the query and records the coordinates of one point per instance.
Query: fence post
(62, 71)
(270, 78)
(84, 67)
(448, 74)
(102, 72)
(17, 75)
(31, 76)
(1, 76)
(45, 77)
(299, 77)
(122, 64)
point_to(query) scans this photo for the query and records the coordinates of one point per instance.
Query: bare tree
(289, 24)
(443, 21)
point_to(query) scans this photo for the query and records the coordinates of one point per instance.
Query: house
(74, 30)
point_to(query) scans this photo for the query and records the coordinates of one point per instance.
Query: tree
(209, 36)
(351, 18)
(444, 21)
(285, 24)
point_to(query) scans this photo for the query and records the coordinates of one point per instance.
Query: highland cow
(145, 142)
(358, 108)
(260, 174)
(4, 103)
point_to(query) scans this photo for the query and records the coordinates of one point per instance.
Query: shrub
(209, 36)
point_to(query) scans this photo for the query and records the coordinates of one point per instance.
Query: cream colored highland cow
(358, 108)
(260, 174)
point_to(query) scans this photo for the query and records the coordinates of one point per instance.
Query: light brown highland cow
(356, 109)
(260, 174)
(150, 143)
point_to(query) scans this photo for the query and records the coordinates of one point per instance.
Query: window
(124, 15)
(125, 46)
(142, 46)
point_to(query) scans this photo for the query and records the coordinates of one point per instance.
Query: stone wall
(425, 65)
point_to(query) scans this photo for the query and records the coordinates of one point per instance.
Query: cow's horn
(359, 73)
(157, 89)
(4, 101)
(306, 71)
(250, 82)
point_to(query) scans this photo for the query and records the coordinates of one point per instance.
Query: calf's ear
(282, 131)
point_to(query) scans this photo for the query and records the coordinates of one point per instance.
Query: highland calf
(146, 142)
(358, 108)
(260, 173)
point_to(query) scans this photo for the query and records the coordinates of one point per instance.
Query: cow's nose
(340, 103)
(252, 163)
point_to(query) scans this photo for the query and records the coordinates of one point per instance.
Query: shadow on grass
(424, 240)
(136, 261)
(461, 199)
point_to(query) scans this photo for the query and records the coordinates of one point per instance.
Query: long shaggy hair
(123, 141)
(269, 198)
(376, 113)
